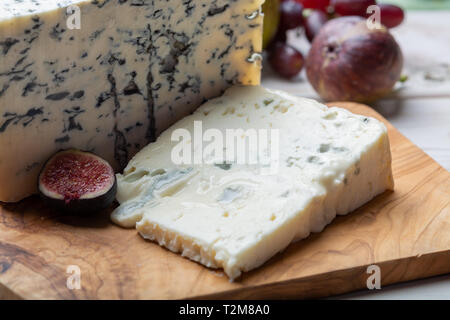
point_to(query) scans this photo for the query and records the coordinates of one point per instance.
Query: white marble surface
(420, 109)
(424, 121)
(436, 288)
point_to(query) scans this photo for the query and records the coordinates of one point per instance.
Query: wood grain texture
(405, 232)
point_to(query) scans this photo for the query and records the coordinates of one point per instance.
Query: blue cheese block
(131, 70)
(235, 214)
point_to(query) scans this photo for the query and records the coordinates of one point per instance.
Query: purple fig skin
(350, 62)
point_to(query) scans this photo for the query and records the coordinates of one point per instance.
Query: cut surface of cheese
(129, 71)
(233, 215)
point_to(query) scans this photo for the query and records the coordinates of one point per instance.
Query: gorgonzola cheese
(231, 216)
(132, 69)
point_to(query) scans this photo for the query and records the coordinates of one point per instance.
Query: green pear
(271, 20)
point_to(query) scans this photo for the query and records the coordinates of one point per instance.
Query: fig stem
(403, 78)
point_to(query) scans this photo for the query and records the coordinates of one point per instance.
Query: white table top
(420, 109)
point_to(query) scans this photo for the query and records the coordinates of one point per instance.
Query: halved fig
(77, 182)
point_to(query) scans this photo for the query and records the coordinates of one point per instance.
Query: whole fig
(350, 62)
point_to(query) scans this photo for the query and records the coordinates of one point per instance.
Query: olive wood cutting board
(405, 232)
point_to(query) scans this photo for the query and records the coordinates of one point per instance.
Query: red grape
(291, 15)
(286, 60)
(281, 36)
(352, 7)
(391, 15)
(321, 5)
(314, 22)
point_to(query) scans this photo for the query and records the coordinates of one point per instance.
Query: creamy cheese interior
(232, 216)
(17, 8)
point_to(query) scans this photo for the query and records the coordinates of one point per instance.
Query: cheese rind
(133, 69)
(233, 217)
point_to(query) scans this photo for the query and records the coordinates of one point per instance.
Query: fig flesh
(77, 182)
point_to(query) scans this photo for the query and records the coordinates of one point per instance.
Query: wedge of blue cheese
(235, 216)
(132, 68)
